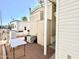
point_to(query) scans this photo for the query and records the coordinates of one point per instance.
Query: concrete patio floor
(32, 51)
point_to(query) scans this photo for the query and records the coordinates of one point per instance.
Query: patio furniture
(15, 42)
(31, 38)
(2, 43)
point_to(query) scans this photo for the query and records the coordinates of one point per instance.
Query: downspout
(45, 28)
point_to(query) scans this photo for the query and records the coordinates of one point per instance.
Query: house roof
(15, 21)
(38, 7)
(34, 9)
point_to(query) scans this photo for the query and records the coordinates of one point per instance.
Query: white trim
(57, 29)
(45, 28)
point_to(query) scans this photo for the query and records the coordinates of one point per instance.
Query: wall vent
(68, 57)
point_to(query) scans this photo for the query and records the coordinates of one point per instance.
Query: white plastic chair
(15, 42)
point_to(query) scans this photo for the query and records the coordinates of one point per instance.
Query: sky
(15, 9)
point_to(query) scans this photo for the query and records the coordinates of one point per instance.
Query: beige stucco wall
(36, 14)
(38, 24)
(37, 28)
(40, 32)
(33, 27)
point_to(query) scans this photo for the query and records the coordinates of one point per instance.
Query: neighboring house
(14, 24)
(67, 29)
(19, 25)
(37, 22)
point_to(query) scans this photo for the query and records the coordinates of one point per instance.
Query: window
(15, 26)
(24, 28)
(12, 26)
(41, 15)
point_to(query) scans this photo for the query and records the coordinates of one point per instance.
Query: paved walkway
(33, 51)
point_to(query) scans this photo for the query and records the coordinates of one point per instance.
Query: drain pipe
(45, 28)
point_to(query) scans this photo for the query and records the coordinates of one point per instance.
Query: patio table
(15, 43)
